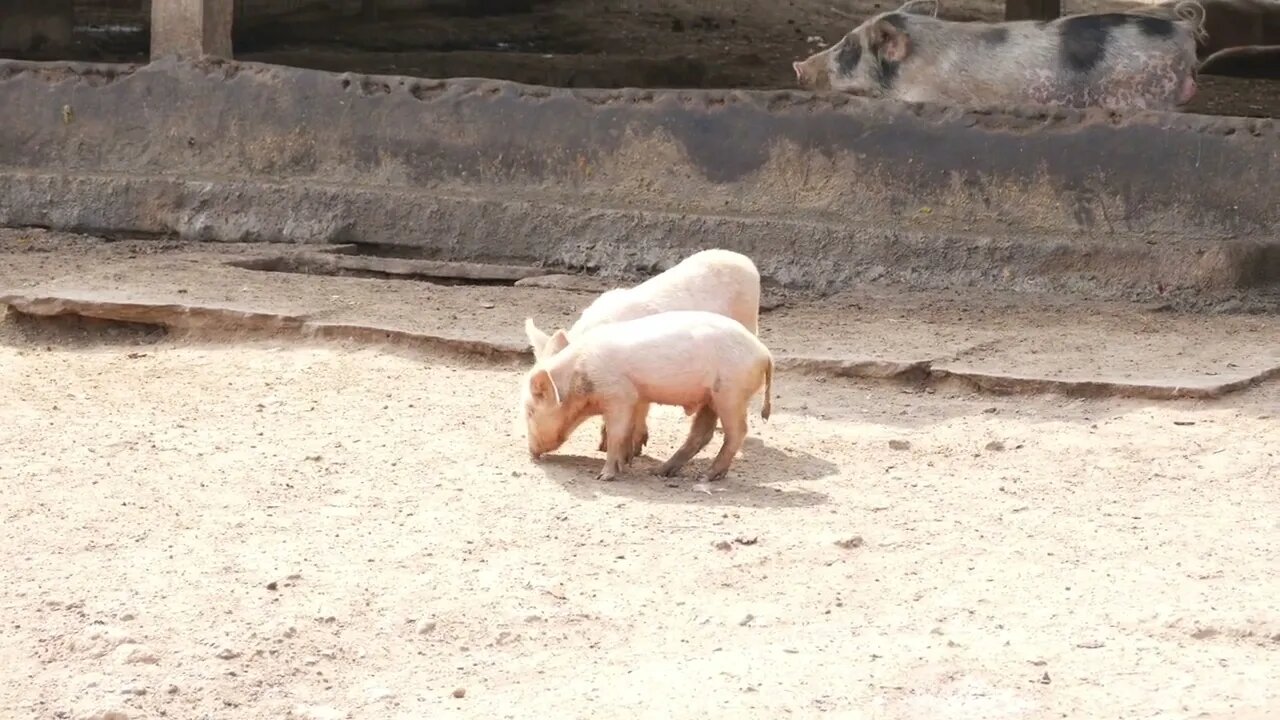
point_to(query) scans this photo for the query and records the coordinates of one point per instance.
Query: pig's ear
(799, 68)
(558, 342)
(537, 338)
(889, 40)
(543, 388)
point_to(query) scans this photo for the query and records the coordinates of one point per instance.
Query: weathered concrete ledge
(822, 190)
(215, 323)
(222, 323)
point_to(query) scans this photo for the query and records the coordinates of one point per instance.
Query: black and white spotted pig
(1115, 60)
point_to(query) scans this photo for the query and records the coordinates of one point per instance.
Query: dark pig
(1118, 61)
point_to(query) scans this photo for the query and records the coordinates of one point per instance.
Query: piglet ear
(558, 342)
(543, 387)
(799, 68)
(537, 338)
(889, 40)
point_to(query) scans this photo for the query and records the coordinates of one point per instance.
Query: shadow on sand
(750, 482)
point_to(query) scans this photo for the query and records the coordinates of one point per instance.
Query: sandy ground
(264, 529)
(254, 531)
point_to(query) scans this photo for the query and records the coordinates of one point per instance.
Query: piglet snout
(1187, 91)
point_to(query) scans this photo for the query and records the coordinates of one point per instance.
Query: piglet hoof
(666, 471)
(712, 476)
(606, 476)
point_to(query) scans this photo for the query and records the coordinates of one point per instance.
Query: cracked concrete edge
(932, 373)
(222, 323)
(1017, 385)
(210, 322)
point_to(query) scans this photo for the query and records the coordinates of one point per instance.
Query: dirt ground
(252, 531)
(263, 529)
(616, 43)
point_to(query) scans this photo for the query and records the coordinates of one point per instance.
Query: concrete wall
(823, 190)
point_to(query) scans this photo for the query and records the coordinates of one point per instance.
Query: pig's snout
(811, 73)
(1187, 91)
(539, 447)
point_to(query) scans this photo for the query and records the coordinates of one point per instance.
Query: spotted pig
(1120, 61)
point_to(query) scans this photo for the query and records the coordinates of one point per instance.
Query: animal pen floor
(253, 529)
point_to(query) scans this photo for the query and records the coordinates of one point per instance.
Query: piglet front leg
(639, 436)
(639, 430)
(617, 428)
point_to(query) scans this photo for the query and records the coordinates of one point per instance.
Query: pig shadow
(744, 486)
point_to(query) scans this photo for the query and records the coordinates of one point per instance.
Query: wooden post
(191, 28)
(1032, 9)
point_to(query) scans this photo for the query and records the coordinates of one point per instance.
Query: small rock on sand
(98, 641)
(378, 694)
(134, 654)
(850, 543)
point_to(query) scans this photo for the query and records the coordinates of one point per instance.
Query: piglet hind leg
(735, 433)
(617, 423)
(700, 432)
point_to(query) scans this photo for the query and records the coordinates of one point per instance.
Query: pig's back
(715, 281)
(1071, 61)
(718, 281)
(703, 337)
(676, 357)
(974, 62)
